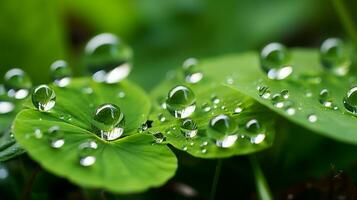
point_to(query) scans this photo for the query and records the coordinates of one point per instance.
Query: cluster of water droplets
(108, 58)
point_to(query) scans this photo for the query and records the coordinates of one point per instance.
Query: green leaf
(308, 77)
(9, 148)
(129, 164)
(229, 100)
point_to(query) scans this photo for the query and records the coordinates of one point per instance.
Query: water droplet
(204, 150)
(278, 100)
(230, 80)
(43, 98)
(86, 152)
(324, 98)
(285, 94)
(264, 92)
(17, 83)
(192, 74)
(181, 102)
(108, 58)
(222, 128)
(312, 118)
(252, 126)
(227, 141)
(276, 61)
(6, 107)
(37, 133)
(87, 90)
(121, 94)
(206, 107)
(238, 110)
(145, 126)
(159, 138)
(215, 100)
(56, 137)
(184, 148)
(258, 138)
(108, 121)
(61, 73)
(189, 128)
(335, 56)
(290, 110)
(308, 93)
(161, 117)
(350, 100)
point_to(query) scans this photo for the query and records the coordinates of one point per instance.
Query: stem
(215, 179)
(346, 20)
(261, 184)
(28, 187)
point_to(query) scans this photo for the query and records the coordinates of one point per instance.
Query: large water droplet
(181, 101)
(350, 100)
(192, 74)
(108, 58)
(6, 107)
(61, 73)
(43, 98)
(223, 129)
(56, 137)
(276, 61)
(189, 128)
(17, 83)
(264, 92)
(108, 121)
(86, 153)
(335, 56)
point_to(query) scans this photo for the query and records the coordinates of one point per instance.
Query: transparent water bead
(56, 137)
(159, 138)
(192, 74)
(325, 99)
(108, 58)
(335, 56)
(350, 100)
(278, 100)
(312, 118)
(264, 92)
(275, 61)
(253, 126)
(87, 152)
(43, 98)
(285, 94)
(108, 121)
(258, 138)
(181, 102)
(189, 128)
(17, 83)
(61, 73)
(223, 129)
(6, 107)
(237, 110)
(145, 126)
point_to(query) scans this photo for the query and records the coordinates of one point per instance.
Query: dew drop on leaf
(264, 92)
(161, 117)
(324, 98)
(17, 83)
(252, 126)
(6, 107)
(277, 100)
(108, 58)
(191, 73)
(43, 98)
(335, 56)
(223, 129)
(61, 73)
(189, 128)
(276, 61)
(237, 110)
(215, 100)
(227, 141)
(86, 153)
(350, 100)
(159, 138)
(55, 137)
(257, 139)
(312, 118)
(181, 101)
(108, 121)
(285, 94)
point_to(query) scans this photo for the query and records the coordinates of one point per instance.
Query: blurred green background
(34, 33)
(163, 33)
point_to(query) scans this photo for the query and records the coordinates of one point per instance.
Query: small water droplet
(184, 148)
(285, 94)
(335, 56)
(145, 126)
(159, 138)
(227, 141)
(278, 100)
(290, 110)
(205, 143)
(204, 150)
(258, 138)
(108, 58)
(161, 117)
(17, 83)
(206, 107)
(252, 126)
(192, 143)
(324, 99)
(86, 152)
(308, 93)
(192, 74)
(181, 102)
(350, 100)
(6, 107)
(56, 137)
(87, 90)
(37, 133)
(121, 94)
(108, 121)
(189, 128)
(238, 110)
(43, 98)
(276, 61)
(215, 100)
(312, 118)
(230, 80)
(264, 92)
(61, 73)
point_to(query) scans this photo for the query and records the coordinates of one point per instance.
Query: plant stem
(215, 179)
(346, 20)
(260, 182)
(28, 187)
